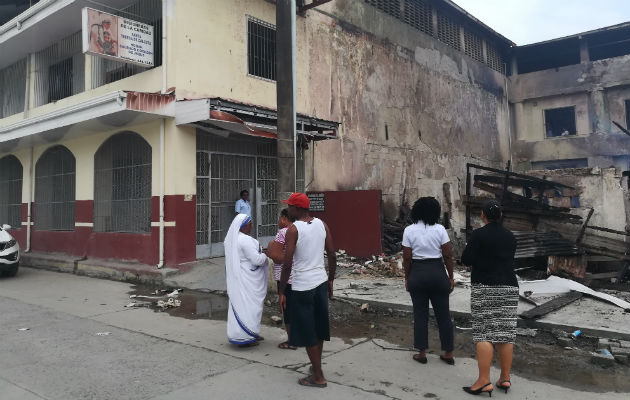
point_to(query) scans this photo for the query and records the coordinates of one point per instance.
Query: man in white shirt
(242, 205)
(312, 286)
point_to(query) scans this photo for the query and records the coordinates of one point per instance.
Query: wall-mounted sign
(122, 39)
(317, 202)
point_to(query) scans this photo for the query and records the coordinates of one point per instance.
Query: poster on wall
(317, 202)
(117, 38)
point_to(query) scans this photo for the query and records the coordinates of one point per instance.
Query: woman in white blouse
(426, 248)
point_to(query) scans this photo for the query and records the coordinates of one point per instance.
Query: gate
(221, 175)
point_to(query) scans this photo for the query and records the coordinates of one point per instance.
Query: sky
(530, 21)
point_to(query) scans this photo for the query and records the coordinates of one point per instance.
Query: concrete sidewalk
(594, 317)
(153, 355)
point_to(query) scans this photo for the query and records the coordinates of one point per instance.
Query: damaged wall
(597, 90)
(413, 111)
(603, 189)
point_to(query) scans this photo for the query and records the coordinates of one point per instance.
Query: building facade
(105, 159)
(566, 95)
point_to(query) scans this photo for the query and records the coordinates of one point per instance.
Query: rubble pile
(381, 266)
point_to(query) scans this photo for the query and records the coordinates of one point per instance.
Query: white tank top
(308, 261)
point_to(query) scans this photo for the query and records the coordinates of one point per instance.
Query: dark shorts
(288, 292)
(309, 317)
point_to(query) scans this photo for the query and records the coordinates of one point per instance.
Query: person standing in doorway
(243, 205)
(305, 242)
(493, 297)
(426, 248)
(275, 251)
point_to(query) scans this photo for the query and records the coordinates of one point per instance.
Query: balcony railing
(59, 70)
(12, 88)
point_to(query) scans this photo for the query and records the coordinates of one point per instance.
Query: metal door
(217, 193)
(266, 199)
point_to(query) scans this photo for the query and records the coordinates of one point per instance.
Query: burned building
(566, 95)
(100, 158)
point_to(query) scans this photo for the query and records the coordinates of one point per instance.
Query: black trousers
(428, 281)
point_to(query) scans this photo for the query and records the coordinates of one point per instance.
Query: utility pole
(285, 93)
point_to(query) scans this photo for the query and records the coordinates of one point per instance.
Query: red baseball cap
(298, 200)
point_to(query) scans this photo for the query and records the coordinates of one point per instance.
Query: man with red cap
(305, 242)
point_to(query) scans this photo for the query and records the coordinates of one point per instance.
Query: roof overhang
(111, 111)
(225, 117)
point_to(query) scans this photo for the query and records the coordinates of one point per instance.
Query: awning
(224, 117)
(111, 111)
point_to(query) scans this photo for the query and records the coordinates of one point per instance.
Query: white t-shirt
(308, 260)
(425, 240)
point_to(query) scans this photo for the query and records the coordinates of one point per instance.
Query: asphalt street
(71, 337)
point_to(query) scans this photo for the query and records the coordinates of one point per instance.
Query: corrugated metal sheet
(538, 244)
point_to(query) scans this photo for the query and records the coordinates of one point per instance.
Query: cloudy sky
(529, 21)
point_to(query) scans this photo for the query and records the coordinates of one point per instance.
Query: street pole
(285, 93)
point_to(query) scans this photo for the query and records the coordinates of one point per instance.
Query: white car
(9, 252)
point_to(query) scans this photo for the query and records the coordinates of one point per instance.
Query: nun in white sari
(246, 276)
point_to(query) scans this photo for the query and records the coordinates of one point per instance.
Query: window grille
(122, 185)
(474, 45)
(391, 7)
(11, 191)
(55, 190)
(448, 31)
(261, 49)
(495, 61)
(12, 88)
(417, 13)
(59, 70)
(104, 70)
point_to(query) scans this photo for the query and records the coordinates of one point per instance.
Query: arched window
(55, 190)
(122, 184)
(11, 191)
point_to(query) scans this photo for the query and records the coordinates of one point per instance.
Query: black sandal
(421, 360)
(286, 346)
(449, 361)
(477, 392)
(502, 385)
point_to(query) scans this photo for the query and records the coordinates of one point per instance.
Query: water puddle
(537, 358)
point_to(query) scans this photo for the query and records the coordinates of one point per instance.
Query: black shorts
(288, 293)
(309, 317)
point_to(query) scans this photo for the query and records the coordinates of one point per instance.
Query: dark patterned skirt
(493, 311)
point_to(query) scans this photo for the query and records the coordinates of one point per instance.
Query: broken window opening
(561, 164)
(261, 49)
(560, 122)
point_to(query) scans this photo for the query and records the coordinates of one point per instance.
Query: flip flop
(308, 381)
(260, 339)
(286, 346)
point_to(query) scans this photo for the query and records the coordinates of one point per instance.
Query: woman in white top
(246, 276)
(426, 248)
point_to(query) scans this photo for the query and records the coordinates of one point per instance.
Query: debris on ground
(276, 319)
(24, 329)
(103, 333)
(161, 298)
(365, 307)
(170, 303)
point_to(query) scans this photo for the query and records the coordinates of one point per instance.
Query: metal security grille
(105, 71)
(495, 61)
(474, 46)
(55, 190)
(203, 198)
(229, 174)
(448, 31)
(266, 193)
(391, 7)
(12, 88)
(417, 13)
(122, 185)
(261, 49)
(11, 191)
(59, 70)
